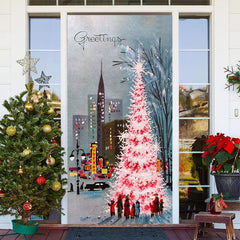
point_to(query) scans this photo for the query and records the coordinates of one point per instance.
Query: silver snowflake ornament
(28, 63)
(43, 81)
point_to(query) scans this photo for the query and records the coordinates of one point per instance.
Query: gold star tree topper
(28, 63)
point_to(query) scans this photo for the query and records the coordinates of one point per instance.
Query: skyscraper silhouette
(100, 112)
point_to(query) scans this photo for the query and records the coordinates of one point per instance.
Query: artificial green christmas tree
(31, 163)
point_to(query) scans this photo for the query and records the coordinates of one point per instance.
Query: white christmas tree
(136, 173)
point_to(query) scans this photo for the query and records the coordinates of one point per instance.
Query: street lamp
(72, 158)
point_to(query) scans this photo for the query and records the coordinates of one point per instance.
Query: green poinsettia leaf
(211, 148)
(237, 145)
(222, 157)
(233, 155)
(227, 167)
(238, 163)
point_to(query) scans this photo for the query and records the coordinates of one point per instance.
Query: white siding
(5, 6)
(5, 57)
(5, 45)
(234, 6)
(12, 47)
(234, 58)
(5, 22)
(5, 40)
(234, 25)
(4, 77)
(234, 40)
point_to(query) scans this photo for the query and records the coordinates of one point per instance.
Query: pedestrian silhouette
(126, 207)
(137, 208)
(120, 206)
(112, 208)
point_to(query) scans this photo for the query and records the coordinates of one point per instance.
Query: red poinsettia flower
(229, 147)
(236, 141)
(218, 167)
(205, 153)
(221, 153)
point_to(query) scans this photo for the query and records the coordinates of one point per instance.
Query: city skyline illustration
(103, 122)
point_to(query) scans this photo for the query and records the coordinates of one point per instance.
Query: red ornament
(41, 180)
(27, 206)
(54, 142)
(2, 194)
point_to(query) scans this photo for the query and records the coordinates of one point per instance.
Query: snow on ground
(90, 207)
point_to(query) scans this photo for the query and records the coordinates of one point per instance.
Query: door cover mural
(119, 119)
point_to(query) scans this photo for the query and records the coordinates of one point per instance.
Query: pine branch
(229, 70)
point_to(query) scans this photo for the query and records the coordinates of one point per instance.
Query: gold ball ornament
(50, 161)
(50, 110)
(56, 186)
(11, 130)
(47, 128)
(26, 152)
(29, 107)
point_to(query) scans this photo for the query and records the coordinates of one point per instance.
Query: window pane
(193, 67)
(193, 101)
(127, 2)
(99, 2)
(70, 2)
(53, 91)
(193, 33)
(42, 2)
(190, 2)
(191, 169)
(192, 200)
(49, 63)
(44, 33)
(155, 2)
(189, 129)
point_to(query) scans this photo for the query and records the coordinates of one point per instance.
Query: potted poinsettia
(221, 154)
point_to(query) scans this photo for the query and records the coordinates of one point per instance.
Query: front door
(120, 119)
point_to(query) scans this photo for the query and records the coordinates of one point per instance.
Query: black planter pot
(228, 184)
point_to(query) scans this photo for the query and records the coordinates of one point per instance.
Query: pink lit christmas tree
(136, 173)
